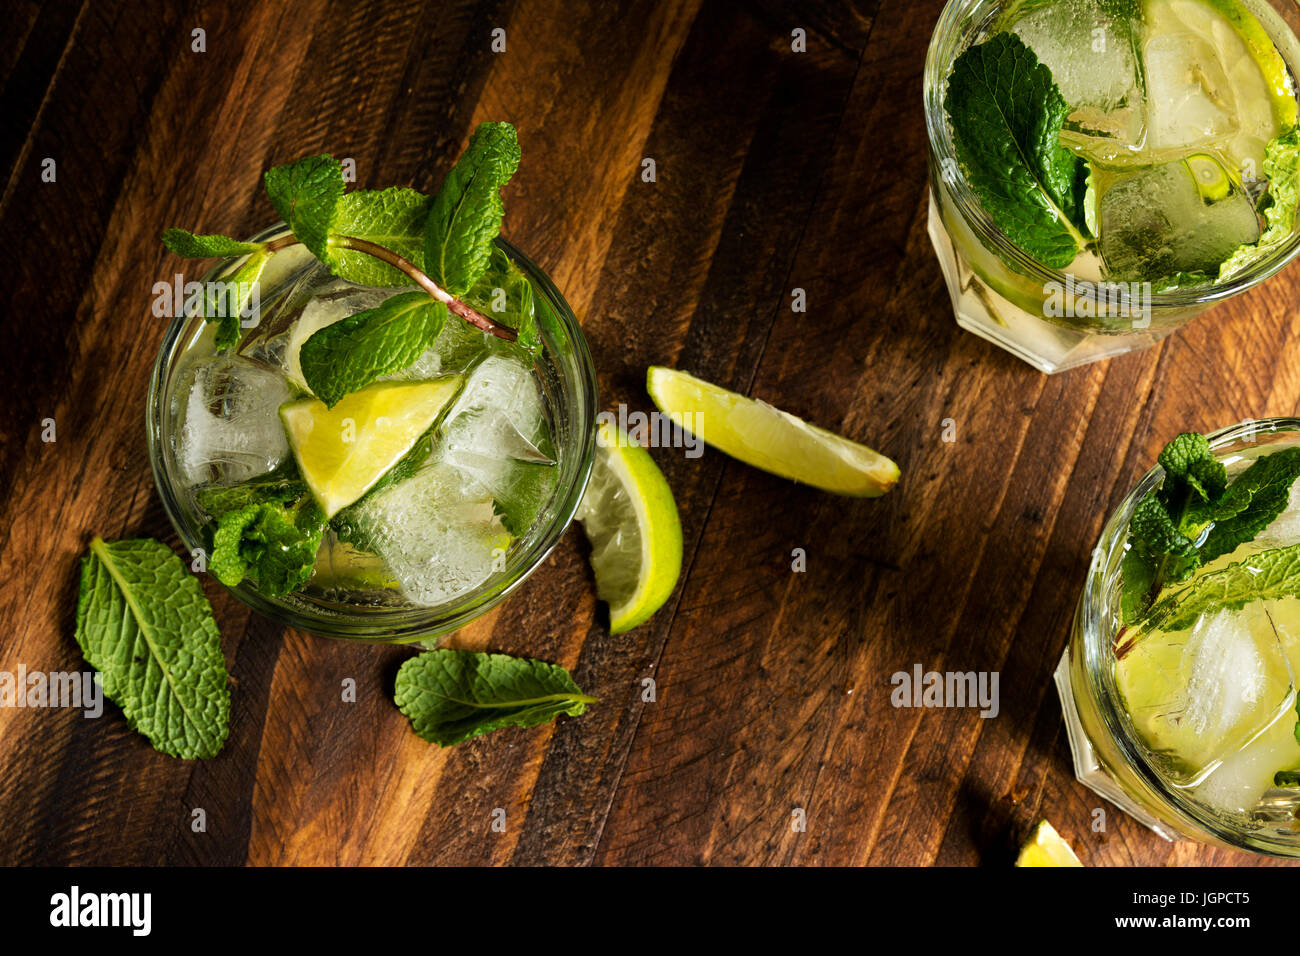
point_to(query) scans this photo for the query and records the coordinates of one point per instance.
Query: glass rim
(1094, 628)
(411, 623)
(951, 22)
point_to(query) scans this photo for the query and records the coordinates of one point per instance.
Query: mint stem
(453, 304)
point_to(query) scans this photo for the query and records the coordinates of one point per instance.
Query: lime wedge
(631, 521)
(769, 438)
(342, 451)
(1046, 848)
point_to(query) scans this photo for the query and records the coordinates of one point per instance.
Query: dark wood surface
(776, 170)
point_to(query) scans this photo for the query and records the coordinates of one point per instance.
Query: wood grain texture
(775, 170)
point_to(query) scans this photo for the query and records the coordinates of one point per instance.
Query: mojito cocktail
(1182, 672)
(375, 420)
(1104, 170)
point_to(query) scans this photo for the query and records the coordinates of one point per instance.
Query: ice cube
(1189, 97)
(230, 430)
(1239, 782)
(497, 437)
(438, 539)
(1212, 690)
(1092, 55)
(1157, 222)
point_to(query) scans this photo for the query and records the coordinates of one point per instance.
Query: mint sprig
(1006, 114)
(144, 624)
(350, 354)
(379, 237)
(451, 696)
(1196, 517)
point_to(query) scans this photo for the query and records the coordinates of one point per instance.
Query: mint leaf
(226, 300)
(282, 485)
(466, 214)
(191, 246)
(306, 194)
(350, 354)
(1006, 115)
(1266, 576)
(272, 544)
(504, 292)
(392, 218)
(451, 696)
(1188, 460)
(1166, 524)
(1282, 170)
(144, 624)
(1251, 503)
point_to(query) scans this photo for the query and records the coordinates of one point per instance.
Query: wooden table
(775, 170)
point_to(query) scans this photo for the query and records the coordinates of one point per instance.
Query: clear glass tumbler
(1109, 756)
(567, 380)
(1050, 318)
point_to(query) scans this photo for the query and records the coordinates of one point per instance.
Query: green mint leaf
(282, 485)
(392, 218)
(144, 624)
(187, 245)
(1137, 581)
(466, 214)
(1251, 503)
(226, 301)
(306, 194)
(350, 354)
(1266, 576)
(451, 696)
(504, 293)
(1288, 778)
(1282, 170)
(272, 544)
(1182, 280)
(1006, 114)
(1188, 460)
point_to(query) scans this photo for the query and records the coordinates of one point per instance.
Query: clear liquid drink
(464, 515)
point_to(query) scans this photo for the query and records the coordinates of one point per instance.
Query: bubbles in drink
(1166, 220)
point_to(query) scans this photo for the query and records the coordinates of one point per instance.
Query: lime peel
(631, 520)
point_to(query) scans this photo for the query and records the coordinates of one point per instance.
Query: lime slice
(1046, 848)
(631, 521)
(342, 451)
(769, 438)
(1211, 178)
